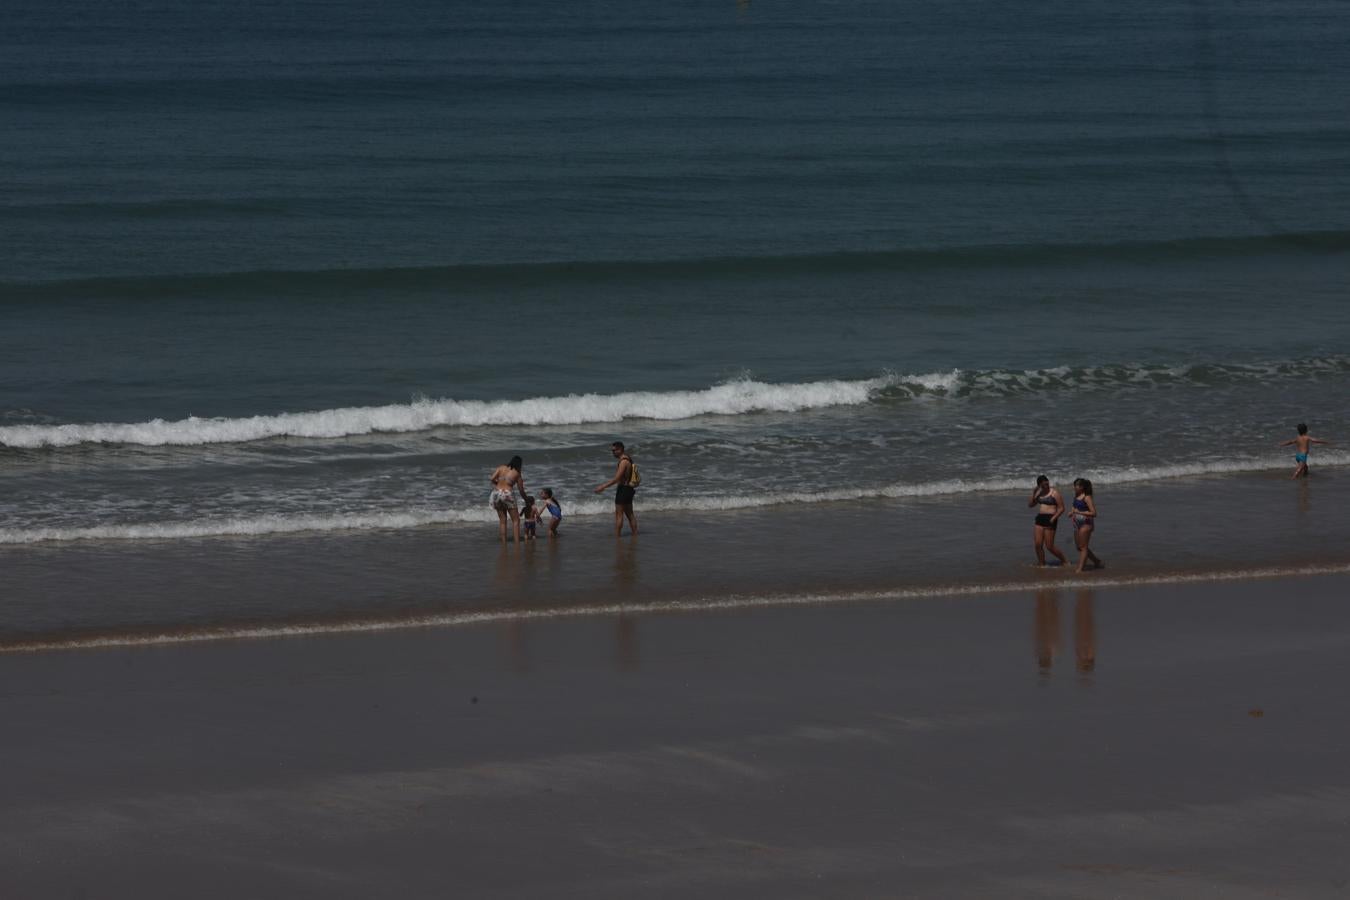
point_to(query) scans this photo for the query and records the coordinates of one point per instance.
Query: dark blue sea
(280, 284)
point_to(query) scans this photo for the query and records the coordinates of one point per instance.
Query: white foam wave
(479, 513)
(730, 398)
(727, 603)
(239, 527)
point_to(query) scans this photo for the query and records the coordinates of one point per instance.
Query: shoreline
(1062, 580)
(269, 527)
(160, 591)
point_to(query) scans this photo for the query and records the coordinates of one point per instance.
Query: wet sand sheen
(1169, 740)
(1091, 580)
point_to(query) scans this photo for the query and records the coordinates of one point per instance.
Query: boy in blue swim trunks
(1302, 444)
(529, 517)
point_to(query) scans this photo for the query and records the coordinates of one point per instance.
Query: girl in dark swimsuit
(1049, 507)
(1084, 519)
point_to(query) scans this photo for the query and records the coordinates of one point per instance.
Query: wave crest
(731, 398)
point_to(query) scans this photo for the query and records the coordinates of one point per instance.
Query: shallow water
(1209, 528)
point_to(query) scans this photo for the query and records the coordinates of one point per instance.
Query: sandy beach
(1167, 741)
(285, 284)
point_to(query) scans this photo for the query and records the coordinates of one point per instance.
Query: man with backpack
(627, 478)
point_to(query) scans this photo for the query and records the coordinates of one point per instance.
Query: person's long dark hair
(1085, 485)
(515, 463)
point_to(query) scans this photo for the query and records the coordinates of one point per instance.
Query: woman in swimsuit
(506, 480)
(1084, 519)
(1049, 507)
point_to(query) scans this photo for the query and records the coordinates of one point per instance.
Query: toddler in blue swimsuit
(554, 510)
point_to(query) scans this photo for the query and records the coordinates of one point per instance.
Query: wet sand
(1172, 741)
(1206, 526)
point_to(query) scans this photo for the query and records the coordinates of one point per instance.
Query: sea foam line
(728, 603)
(731, 398)
(479, 513)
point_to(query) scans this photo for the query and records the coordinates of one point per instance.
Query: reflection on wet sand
(516, 638)
(508, 578)
(1047, 631)
(626, 654)
(515, 580)
(625, 568)
(626, 649)
(507, 574)
(1084, 632)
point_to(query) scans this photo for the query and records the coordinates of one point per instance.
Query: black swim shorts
(623, 496)
(1047, 520)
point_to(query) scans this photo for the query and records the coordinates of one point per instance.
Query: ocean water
(285, 282)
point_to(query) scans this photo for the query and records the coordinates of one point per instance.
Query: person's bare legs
(1092, 557)
(1038, 543)
(1050, 545)
(1301, 470)
(553, 527)
(501, 524)
(515, 522)
(622, 510)
(1082, 537)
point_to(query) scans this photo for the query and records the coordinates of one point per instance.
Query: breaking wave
(731, 398)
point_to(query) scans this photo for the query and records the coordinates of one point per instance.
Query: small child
(1302, 444)
(529, 516)
(554, 510)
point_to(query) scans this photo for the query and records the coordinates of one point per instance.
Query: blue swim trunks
(1300, 457)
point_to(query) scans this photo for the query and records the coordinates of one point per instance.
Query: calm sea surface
(276, 272)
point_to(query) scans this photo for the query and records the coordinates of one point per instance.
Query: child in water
(1302, 444)
(529, 516)
(554, 510)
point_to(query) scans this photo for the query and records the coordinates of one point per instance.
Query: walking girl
(1084, 519)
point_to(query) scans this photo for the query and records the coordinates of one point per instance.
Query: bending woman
(506, 480)
(1084, 519)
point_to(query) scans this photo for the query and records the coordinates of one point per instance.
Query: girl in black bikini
(1049, 507)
